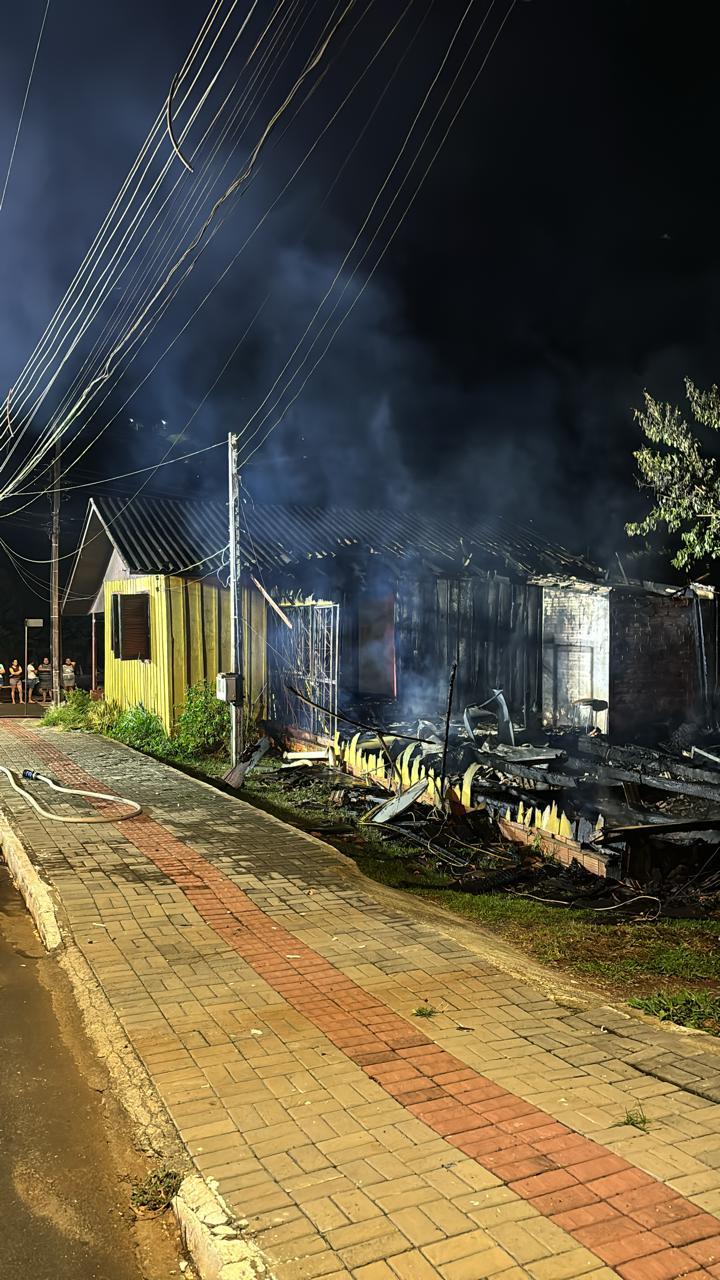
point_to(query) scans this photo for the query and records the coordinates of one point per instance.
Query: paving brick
(412, 1266)
(234, 924)
(667, 1265)
(569, 1266)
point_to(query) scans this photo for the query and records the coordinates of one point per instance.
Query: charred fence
(489, 625)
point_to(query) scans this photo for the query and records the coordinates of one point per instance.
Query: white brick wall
(576, 651)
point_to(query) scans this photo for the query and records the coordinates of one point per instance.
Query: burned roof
(284, 535)
(175, 536)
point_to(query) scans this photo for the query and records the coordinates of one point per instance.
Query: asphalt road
(64, 1189)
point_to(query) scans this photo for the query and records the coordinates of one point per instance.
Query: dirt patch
(68, 1157)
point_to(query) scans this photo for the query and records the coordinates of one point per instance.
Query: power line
(376, 200)
(101, 288)
(198, 191)
(22, 110)
(247, 240)
(96, 246)
(165, 293)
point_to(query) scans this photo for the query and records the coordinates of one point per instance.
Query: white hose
(32, 774)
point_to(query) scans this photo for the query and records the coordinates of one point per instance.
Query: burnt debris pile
(566, 816)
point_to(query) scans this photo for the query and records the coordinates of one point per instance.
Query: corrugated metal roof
(166, 535)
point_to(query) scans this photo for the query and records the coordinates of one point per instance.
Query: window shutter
(115, 624)
(134, 626)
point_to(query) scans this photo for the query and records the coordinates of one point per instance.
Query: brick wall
(576, 647)
(653, 663)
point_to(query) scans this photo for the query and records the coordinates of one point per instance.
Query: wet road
(63, 1150)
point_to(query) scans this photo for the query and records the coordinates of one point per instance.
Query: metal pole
(93, 658)
(236, 628)
(25, 671)
(55, 636)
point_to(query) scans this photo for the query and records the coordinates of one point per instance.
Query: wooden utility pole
(55, 628)
(236, 619)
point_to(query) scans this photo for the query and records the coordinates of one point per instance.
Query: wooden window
(130, 627)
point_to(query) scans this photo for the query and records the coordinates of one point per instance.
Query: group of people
(38, 678)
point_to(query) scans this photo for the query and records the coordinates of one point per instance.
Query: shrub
(103, 716)
(137, 727)
(203, 726)
(71, 714)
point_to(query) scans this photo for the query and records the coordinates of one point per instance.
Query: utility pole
(236, 619)
(55, 631)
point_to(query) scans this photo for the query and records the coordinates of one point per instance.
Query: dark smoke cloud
(561, 257)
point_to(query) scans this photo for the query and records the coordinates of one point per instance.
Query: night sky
(561, 255)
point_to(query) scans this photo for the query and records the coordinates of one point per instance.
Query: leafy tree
(683, 479)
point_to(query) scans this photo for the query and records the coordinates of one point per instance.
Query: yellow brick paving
(334, 1177)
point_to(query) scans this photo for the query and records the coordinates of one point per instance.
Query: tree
(682, 477)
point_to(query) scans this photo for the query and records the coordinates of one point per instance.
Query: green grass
(609, 952)
(636, 1118)
(698, 1009)
(424, 1011)
(682, 956)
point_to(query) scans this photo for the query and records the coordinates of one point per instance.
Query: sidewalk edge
(211, 1234)
(36, 893)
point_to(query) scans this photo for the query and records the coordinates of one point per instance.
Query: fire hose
(34, 776)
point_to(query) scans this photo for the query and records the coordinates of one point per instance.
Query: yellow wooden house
(152, 571)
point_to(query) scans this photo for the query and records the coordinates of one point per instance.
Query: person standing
(32, 681)
(45, 674)
(2, 676)
(68, 675)
(15, 673)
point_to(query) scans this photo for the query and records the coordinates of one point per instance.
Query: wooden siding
(255, 652)
(489, 625)
(189, 641)
(132, 681)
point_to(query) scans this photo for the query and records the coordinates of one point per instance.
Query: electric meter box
(226, 686)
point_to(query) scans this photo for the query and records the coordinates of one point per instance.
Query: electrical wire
(435, 154)
(123, 475)
(175, 219)
(30, 460)
(246, 457)
(96, 244)
(250, 236)
(121, 307)
(24, 104)
(260, 222)
(50, 432)
(198, 243)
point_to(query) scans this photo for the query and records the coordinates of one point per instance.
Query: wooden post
(55, 628)
(93, 653)
(25, 674)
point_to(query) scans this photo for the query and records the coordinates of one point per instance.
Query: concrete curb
(36, 894)
(211, 1234)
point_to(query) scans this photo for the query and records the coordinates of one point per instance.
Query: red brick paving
(630, 1220)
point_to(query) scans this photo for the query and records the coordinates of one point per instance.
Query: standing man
(45, 675)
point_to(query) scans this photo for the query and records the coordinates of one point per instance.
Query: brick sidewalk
(270, 993)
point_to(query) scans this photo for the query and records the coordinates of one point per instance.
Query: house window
(130, 627)
(376, 646)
